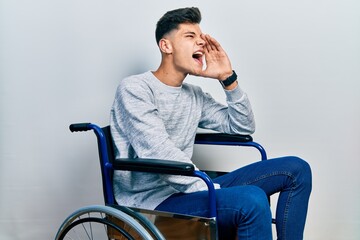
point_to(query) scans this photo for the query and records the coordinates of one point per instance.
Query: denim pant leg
(291, 177)
(242, 211)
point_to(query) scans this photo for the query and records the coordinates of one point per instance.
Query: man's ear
(165, 46)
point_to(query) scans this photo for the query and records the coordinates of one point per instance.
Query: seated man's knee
(301, 169)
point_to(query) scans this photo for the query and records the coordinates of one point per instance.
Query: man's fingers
(207, 44)
(215, 45)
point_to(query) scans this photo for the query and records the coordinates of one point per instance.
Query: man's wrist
(229, 80)
(226, 75)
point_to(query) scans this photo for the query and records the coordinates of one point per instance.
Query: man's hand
(218, 65)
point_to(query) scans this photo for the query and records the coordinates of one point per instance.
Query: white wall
(299, 61)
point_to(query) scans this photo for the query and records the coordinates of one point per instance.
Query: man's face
(187, 48)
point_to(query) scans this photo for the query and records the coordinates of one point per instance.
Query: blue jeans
(242, 202)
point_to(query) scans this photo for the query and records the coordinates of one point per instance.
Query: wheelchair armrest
(218, 138)
(168, 167)
(154, 166)
(229, 140)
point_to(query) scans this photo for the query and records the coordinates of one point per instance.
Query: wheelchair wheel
(102, 222)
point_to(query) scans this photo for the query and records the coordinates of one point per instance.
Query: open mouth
(198, 56)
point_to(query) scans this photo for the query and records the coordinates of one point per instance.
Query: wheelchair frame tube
(211, 189)
(107, 165)
(256, 145)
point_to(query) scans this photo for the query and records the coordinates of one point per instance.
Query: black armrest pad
(154, 166)
(208, 138)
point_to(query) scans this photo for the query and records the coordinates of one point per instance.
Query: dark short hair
(173, 18)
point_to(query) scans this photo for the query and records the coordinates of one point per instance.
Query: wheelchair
(112, 221)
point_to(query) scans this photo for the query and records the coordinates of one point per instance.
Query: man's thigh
(270, 175)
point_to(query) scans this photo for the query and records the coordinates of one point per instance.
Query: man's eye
(190, 36)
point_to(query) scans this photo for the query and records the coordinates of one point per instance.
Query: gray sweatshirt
(152, 120)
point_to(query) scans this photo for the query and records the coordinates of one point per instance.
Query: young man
(156, 115)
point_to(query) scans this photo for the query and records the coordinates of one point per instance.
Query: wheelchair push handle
(80, 127)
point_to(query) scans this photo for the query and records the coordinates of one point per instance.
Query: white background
(61, 60)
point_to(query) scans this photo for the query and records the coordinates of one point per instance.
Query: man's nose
(200, 41)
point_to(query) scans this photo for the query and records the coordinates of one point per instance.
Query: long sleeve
(236, 118)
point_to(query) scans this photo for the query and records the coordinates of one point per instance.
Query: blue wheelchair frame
(109, 164)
